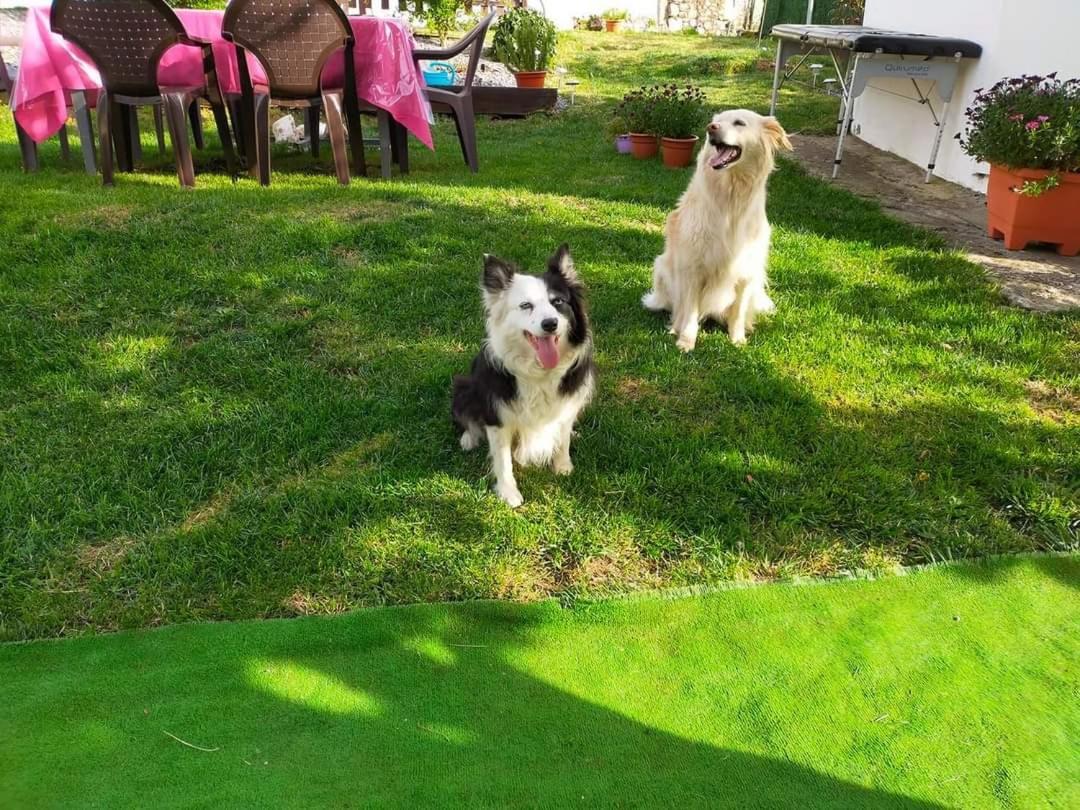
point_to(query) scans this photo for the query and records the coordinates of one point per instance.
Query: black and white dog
(534, 375)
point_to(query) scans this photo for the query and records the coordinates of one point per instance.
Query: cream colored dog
(717, 239)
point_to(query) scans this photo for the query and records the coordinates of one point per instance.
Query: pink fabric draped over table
(52, 68)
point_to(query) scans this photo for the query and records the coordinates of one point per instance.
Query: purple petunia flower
(1031, 126)
(1042, 119)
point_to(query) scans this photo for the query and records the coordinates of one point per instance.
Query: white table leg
(778, 71)
(937, 141)
(846, 124)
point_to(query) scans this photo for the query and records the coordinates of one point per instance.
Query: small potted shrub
(525, 42)
(1028, 130)
(617, 128)
(680, 114)
(613, 19)
(638, 109)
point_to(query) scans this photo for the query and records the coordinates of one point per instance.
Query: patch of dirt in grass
(353, 210)
(522, 580)
(618, 569)
(1055, 404)
(101, 559)
(301, 603)
(206, 511)
(111, 215)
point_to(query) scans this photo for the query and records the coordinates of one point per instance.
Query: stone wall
(716, 17)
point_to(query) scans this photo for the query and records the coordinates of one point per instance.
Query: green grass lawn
(233, 402)
(954, 686)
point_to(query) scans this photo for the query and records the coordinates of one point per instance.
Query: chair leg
(105, 121)
(196, 126)
(221, 120)
(28, 149)
(312, 127)
(121, 134)
(65, 149)
(136, 138)
(465, 122)
(86, 130)
(159, 129)
(239, 124)
(332, 103)
(262, 138)
(401, 141)
(176, 109)
(386, 149)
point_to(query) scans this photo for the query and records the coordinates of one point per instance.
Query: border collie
(535, 373)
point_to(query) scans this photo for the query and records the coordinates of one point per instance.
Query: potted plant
(638, 109)
(525, 42)
(680, 114)
(1028, 130)
(618, 129)
(614, 18)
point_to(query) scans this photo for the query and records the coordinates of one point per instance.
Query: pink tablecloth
(51, 68)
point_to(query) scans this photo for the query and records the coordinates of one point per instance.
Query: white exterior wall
(1017, 36)
(562, 12)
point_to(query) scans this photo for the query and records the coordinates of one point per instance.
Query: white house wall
(1017, 36)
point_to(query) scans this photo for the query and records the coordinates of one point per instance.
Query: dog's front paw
(686, 343)
(510, 495)
(738, 338)
(562, 466)
(469, 441)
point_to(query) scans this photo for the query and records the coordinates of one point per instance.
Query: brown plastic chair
(292, 39)
(458, 101)
(125, 39)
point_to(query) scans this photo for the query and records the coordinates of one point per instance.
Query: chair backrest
(125, 38)
(291, 38)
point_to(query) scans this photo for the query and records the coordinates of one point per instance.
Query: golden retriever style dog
(717, 239)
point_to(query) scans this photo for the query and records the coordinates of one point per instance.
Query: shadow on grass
(410, 708)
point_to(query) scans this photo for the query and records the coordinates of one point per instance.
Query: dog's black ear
(562, 262)
(497, 274)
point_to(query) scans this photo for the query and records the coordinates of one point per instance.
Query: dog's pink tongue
(722, 156)
(547, 351)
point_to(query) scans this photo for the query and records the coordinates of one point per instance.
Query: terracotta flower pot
(1053, 216)
(532, 79)
(678, 152)
(622, 144)
(612, 26)
(643, 146)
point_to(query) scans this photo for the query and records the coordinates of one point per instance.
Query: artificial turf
(232, 402)
(954, 686)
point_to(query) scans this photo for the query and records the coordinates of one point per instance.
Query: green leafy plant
(1034, 188)
(617, 126)
(679, 112)
(525, 40)
(639, 109)
(441, 16)
(616, 14)
(847, 12)
(1029, 122)
(594, 22)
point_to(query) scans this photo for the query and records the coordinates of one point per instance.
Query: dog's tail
(656, 299)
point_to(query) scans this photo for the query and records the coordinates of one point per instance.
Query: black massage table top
(863, 39)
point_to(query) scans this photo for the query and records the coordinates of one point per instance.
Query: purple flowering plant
(1029, 122)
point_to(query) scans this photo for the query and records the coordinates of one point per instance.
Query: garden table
(52, 70)
(859, 53)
